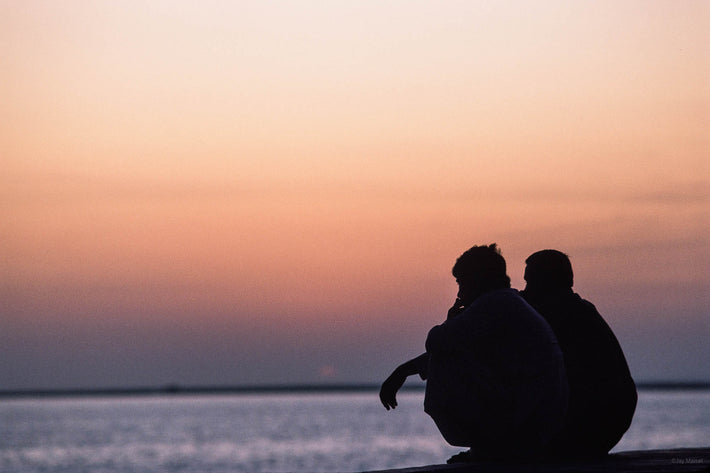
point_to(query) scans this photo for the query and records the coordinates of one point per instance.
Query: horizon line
(177, 389)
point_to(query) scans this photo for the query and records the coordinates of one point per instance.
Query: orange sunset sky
(274, 192)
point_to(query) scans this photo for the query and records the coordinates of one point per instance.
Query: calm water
(272, 433)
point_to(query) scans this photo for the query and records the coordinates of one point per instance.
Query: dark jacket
(602, 392)
(496, 380)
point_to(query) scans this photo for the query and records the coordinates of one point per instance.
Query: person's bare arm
(418, 365)
(388, 391)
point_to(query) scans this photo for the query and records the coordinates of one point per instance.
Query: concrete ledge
(641, 461)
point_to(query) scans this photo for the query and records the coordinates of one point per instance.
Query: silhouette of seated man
(494, 372)
(602, 393)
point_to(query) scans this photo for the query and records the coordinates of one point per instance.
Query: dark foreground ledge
(646, 461)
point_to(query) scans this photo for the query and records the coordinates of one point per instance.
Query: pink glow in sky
(274, 192)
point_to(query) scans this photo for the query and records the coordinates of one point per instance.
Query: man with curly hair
(495, 379)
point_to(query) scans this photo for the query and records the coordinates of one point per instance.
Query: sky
(274, 192)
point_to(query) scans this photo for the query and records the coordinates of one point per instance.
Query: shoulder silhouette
(494, 370)
(602, 392)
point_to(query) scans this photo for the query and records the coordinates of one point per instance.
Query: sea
(272, 432)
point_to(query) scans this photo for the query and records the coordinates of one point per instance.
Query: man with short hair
(494, 371)
(602, 392)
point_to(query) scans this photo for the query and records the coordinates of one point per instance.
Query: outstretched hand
(388, 391)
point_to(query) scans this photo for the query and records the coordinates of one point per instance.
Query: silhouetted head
(548, 270)
(479, 270)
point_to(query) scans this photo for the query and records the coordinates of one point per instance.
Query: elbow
(433, 340)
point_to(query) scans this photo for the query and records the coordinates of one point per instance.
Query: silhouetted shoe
(463, 457)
